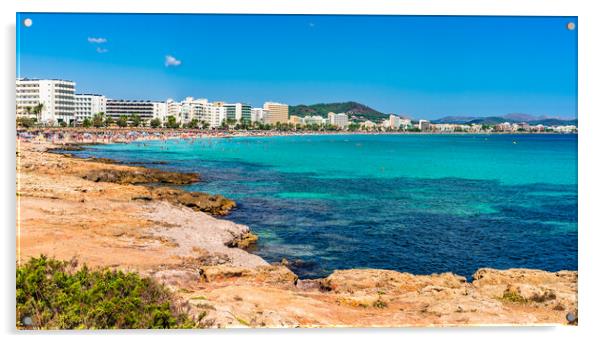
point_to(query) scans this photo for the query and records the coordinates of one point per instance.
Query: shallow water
(415, 203)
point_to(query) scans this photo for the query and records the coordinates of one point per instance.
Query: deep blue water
(414, 203)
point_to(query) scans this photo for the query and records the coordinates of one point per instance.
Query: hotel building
(56, 96)
(505, 127)
(277, 113)
(340, 120)
(424, 125)
(212, 113)
(311, 120)
(215, 114)
(174, 108)
(191, 108)
(87, 105)
(405, 123)
(295, 120)
(146, 109)
(368, 125)
(394, 122)
(238, 112)
(258, 114)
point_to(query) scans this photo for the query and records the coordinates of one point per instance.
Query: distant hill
(453, 120)
(352, 108)
(554, 122)
(510, 118)
(490, 121)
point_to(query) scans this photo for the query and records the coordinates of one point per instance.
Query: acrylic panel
(223, 170)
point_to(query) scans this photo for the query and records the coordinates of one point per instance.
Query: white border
(590, 170)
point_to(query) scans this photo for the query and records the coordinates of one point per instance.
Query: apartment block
(55, 97)
(340, 120)
(87, 105)
(146, 109)
(277, 113)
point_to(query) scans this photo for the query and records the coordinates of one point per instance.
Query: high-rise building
(191, 108)
(146, 109)
(87, 105)
(186, 110)
(174, 108)
(340, 120)
(238, 112)
(277, 113)
(159, 110)
(405, 123)
(394, 122)
(424, 125)
(50, 101)
(215, 114)
(258, 114)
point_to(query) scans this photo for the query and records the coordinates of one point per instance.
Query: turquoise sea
(414, 203)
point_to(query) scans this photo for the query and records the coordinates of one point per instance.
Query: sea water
(414, 203)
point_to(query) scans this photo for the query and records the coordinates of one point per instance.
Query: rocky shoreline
(106, 214)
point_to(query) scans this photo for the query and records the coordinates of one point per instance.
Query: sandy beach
(107, 215)
(128, 135)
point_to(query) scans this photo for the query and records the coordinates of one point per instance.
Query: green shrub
(54, 294)
(379, 303)
(513, 297)
(26, 122)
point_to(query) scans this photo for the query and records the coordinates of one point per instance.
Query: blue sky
(425, 67)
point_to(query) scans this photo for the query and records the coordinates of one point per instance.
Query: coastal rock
(66, 147)
(100, 160)
(269, 274)
(378, 280)
(529, 286)
(244, 242)
(309, 284)
(140, 176)
(198, 201)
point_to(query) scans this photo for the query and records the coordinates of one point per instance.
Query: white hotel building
(146, 109)
(87, 105)
(258, 114)
(340, 120)
(311, 120)
(394, 122)
(212, 113)
(56, 96)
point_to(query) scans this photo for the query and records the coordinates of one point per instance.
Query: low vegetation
(53, 294)
(513, 297)
(379, 303)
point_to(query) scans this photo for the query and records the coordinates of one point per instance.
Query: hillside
(352, 108)
(510, 118)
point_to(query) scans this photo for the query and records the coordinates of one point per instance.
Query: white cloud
(171, 61)
(101, 50)
(97, 40)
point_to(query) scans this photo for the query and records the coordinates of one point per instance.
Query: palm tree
(37, 110)
(98, 119)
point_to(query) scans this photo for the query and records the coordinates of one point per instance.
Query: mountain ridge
(352, 108)
(509, 118)
(359, 111)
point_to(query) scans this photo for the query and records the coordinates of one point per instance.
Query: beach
(129, 135)
(127, 217)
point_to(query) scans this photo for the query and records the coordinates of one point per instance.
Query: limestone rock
(139, 176)
(198, 201)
